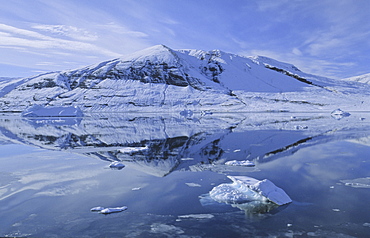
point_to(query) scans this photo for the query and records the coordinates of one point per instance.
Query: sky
(323, 37)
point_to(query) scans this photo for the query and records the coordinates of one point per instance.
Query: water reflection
(207, 139)
(317, 160)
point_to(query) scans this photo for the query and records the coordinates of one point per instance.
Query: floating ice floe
(108, 210)
(246, 163)
(96, 209)
(46, 111)
(132, 149)
(196, 216)
(339, 114)
(193, 184)
(116, 165)
(246, 189)
(357, 183)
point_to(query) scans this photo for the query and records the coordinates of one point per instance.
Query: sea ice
(197, 216)
(108, 210)
(46, 111)
(116, 165)
(246, 163)
(245, 189)
(113, 210)
(193, 185)
(96, 209)
(132, 149)
(358, 182)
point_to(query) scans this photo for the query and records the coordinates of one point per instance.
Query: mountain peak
(154, 53)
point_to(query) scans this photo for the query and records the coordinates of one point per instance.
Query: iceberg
(45, 111)
(246, 163)
(246, 189)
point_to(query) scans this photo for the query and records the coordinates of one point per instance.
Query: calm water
(52, 172)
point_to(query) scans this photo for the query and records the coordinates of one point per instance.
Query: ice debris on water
(358, 182)
(108, 210)
(47, 111)
(339, 114)
(245, 189)
(132, 149)
(193, 184)
(116, 165)
(96, 209)
(246, 163)
(196, 216)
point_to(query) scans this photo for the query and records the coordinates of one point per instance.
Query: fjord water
(53, 171)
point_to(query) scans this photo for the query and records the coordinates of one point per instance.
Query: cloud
(296, 51)
(120, 29)
(69, 31)
(17, 37)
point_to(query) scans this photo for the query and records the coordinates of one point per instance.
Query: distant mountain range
(163, 79)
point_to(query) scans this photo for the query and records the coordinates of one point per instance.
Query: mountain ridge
(160, 77)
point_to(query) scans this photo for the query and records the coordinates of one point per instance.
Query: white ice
(132, 149)
(245, 189)
(116, 165)
(358, 182)
(246, 163)
(108, 210)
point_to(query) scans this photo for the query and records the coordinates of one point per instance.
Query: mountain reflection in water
(158, 144)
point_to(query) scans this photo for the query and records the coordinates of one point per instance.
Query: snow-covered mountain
(365, 78)
(162, 79)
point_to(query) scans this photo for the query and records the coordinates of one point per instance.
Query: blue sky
(325, 37)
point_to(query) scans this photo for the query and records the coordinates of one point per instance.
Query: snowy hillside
(162, 79)
(365, 78)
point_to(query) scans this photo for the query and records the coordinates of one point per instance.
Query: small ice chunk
(185, 159)
(96, 209)
(237, 150)
(110, 210)
(244, 189)
(116, 165)
(336, 210)
(136, 189)
(197, 216)
(339, 114)
(366, 224)
(132, 149)
(193, 185)
(246, 163)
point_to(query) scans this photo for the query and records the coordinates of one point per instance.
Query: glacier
(188, 81)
